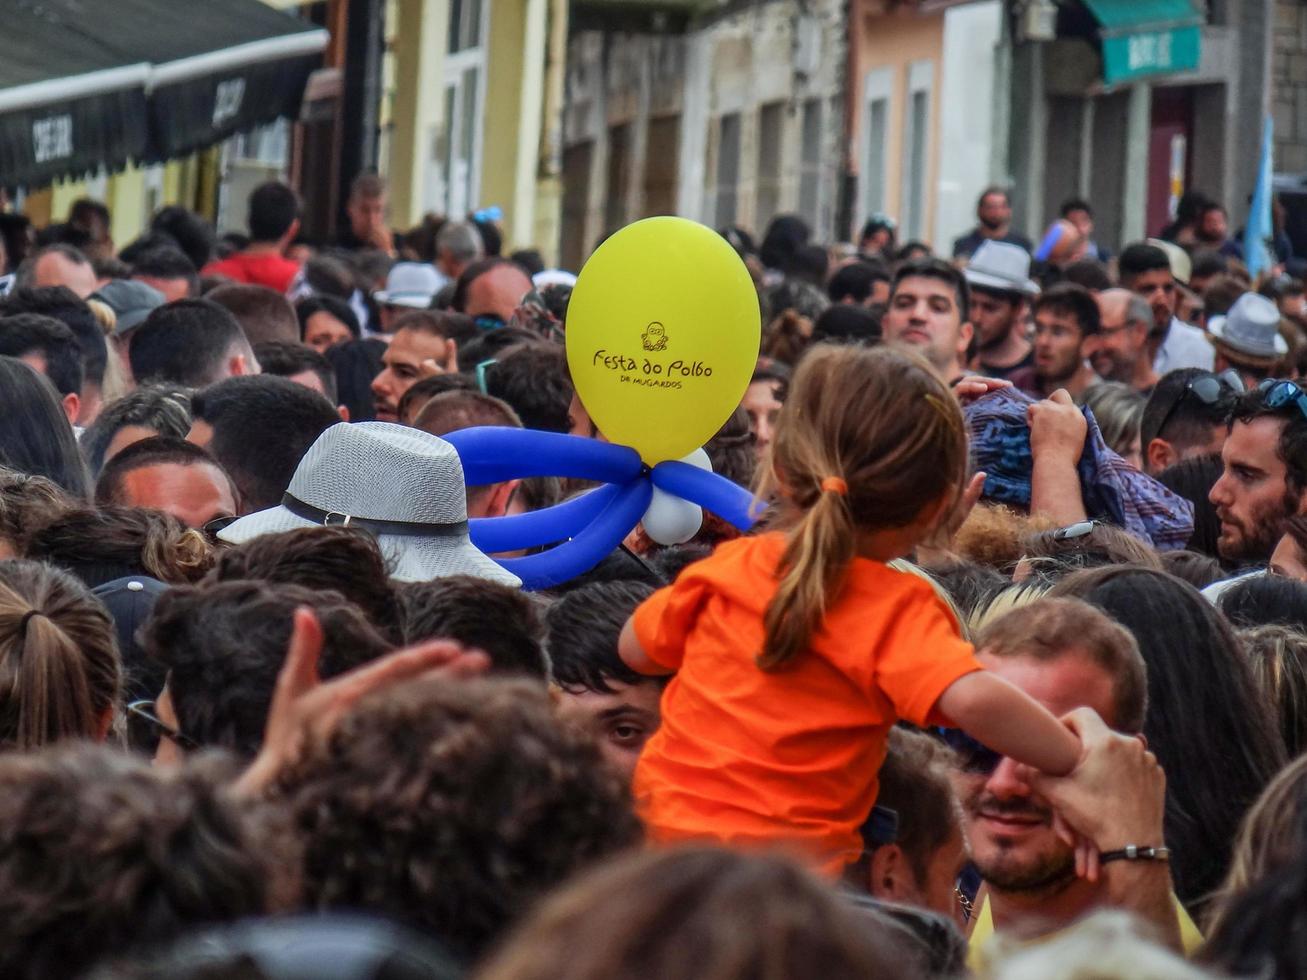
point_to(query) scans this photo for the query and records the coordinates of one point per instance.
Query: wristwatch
(1133, 852)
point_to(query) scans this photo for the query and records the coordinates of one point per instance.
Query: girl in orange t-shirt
(796, 651)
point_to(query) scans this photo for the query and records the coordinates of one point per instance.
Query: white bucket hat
(1251, 328)
(400, 484)
(412, 284)
(998, 265)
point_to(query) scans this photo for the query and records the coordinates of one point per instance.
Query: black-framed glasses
(972, 756)
(211, 528)
(143, 713)
(1281, 393)
(1208, 388)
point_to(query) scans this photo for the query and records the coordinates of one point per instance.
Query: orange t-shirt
(759, 759)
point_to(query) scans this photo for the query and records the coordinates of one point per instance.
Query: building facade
(734, 120)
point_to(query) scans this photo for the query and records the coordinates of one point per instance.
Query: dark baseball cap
(131, 302)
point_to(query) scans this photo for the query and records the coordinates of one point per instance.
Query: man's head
(1079, 213)
(534, 379)
(152, 410)
(258, 429)
(420, 337)
(146, 855)
(191, 342)
(1065, 654)
(502, 622)
(274, 214)
(598, 693)
(1265, 478)
(491, 289)
(1145, 270)
(323, 559)
(63, 305)
(168, 270)
(455, 410)
(1066, 331)
(488, 802)
(1185, 416)
(49, 347)
(861, 283)
(301, 364)
(995, 313)
(929, 310)
(458, 245)
(1125, 323)
(921, 865)
(264, 314)
(224, 644)
(994, 209)
(169, 474)
(58, 265)
(366, 207)
(1213, 226)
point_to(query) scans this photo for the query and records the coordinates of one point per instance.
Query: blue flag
(1258, 231)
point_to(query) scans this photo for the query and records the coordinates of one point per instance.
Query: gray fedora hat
(402, 485)
(1251, 328)
(998, 265)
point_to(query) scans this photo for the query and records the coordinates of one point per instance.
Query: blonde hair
(1013, 597)
(115, 383)
(59, 665)
(1270, 836)
(882, 424)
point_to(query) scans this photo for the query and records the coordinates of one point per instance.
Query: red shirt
(258, 269)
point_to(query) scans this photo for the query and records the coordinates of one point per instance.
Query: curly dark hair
(101, 544)
(27, 502)
(100, 853)
(225, 643)
(339, 558)
(453, 806)
(503, 622)
(583, 629)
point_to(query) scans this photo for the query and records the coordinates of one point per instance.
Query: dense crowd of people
(1010, 678)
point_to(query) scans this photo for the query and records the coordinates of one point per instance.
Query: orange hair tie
(833, 484)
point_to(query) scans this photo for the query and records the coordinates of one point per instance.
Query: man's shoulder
(1016, 238)
(964, 245)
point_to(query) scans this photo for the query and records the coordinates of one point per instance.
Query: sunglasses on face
(211, 528)
(1208, 389)
(1282, 393)
(972, 756)
(488, 322)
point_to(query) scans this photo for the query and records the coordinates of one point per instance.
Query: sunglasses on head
(1280, 394)
(1209, 389)
(972, 756)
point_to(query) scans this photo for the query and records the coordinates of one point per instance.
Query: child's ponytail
(819, 552)
(868, 438)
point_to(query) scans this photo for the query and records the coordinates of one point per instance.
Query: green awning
(1142, 38)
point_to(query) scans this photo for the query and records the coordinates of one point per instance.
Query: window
(876, 95)
(662, 146)
(810, 164)
(916, 143)
(455, 183)
(464, 25)
(771, 122)
(728, 170)
(619, 176)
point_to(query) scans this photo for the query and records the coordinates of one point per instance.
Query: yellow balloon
(663, 330)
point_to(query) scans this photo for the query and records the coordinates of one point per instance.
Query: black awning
(68, 104)
(217, 68)
(88, 85)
